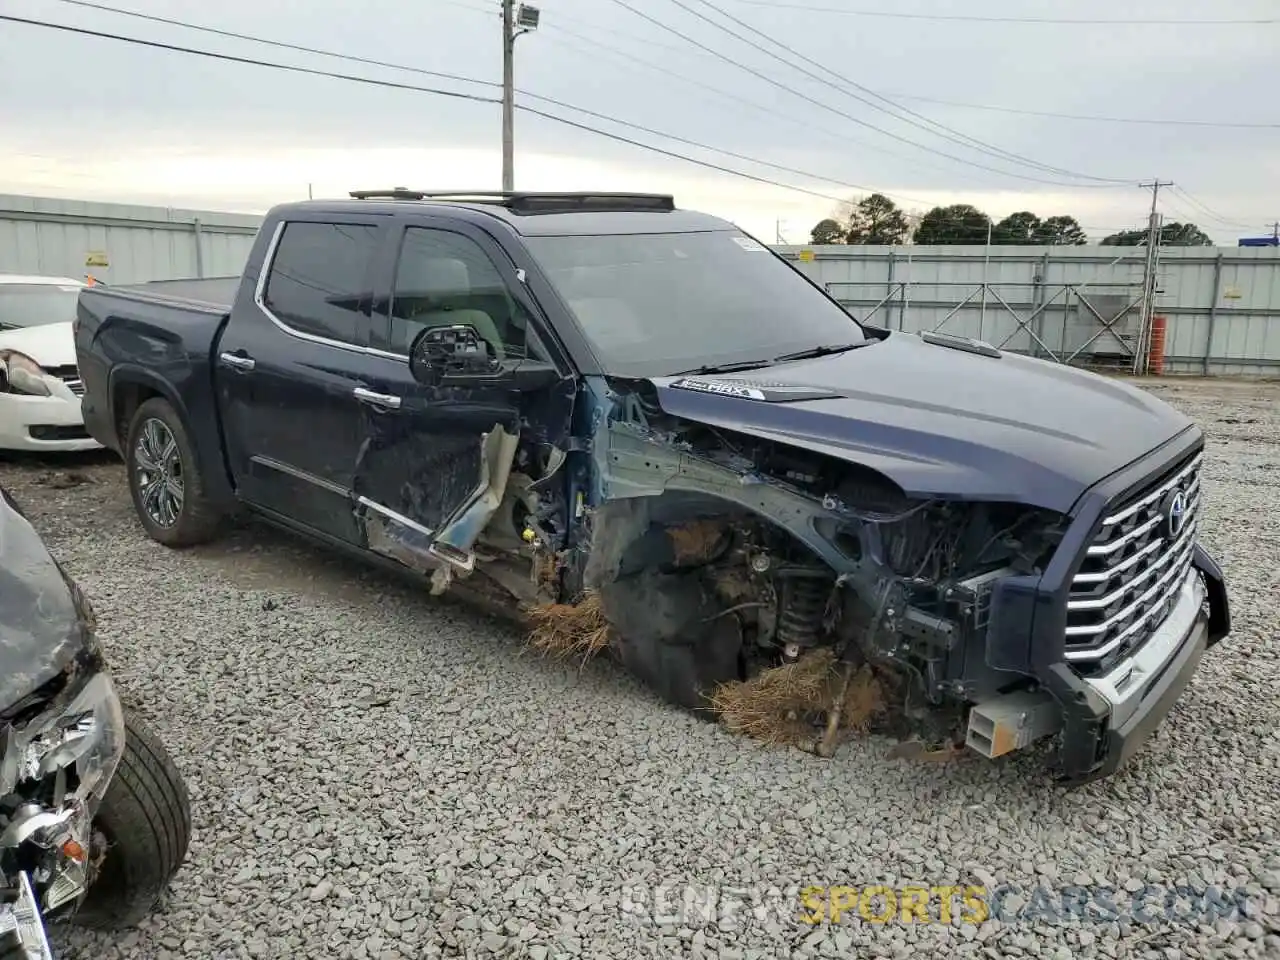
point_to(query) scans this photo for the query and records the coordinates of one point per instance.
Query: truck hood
(42, 626)
(942, 420)
(49, 345)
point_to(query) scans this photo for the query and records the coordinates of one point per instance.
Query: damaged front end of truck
(796, 595)
(798, 585)
(785, 583)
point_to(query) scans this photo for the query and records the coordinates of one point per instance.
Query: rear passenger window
(319, 279)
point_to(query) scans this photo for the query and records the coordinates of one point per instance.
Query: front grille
(1133, 568)
(70, 375)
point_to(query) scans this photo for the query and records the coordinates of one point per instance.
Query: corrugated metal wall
(72, 238)
(1076, 303)
(1222, 304)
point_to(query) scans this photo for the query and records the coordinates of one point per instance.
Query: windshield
(34, 304)
(660, 304)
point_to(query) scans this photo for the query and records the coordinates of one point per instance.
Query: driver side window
(445, 278)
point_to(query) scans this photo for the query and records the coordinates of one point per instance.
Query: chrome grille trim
(1110, 547)
(1170, 582)
(1130, 572)
(1099, 603)
(1180, 560)
(1155, 495)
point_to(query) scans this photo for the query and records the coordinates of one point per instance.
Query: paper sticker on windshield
(746, 243)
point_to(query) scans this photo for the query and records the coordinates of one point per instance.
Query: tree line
(876, 219)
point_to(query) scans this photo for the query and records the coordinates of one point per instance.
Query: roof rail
(395, 193)
(531, 202)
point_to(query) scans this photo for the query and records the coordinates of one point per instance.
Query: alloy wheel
(158, 468)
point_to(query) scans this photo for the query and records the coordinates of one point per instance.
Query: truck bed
(216, 293)
(152, 339)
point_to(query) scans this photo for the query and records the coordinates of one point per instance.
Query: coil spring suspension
(802, 603)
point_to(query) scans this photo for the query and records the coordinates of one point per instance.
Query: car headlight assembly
(86, 738)
(20, 374)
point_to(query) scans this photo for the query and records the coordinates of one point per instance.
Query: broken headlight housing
(20, 374)
(79, 745)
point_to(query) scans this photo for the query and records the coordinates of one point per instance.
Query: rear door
(289, 365)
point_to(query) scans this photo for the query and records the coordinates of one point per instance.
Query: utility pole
(1149, 272)
(508, 96)
(515, 21)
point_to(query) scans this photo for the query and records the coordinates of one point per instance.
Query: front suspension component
(802, 603)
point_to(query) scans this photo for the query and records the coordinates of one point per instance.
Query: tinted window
(319, 280)
(655, 304)
(35, 304)
(445, 278)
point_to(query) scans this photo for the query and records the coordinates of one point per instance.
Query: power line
(828, 74)
(972, 18)
(825, 106)
(592, 46)
(1090, 117)
(994, 108)
(280, 44)
(1213, 214)
(890, 96)
(310, 71)
(548, 100)
(231, 58)
(434, 73)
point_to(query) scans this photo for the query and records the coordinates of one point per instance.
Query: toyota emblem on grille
(1174, 511)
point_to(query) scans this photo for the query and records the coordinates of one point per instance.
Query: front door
(435, 461)
(288, 368)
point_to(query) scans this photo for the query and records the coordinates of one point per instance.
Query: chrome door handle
(376, 399)
(240, 363)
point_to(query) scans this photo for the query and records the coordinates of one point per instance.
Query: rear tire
(164, 478)
(145, 818)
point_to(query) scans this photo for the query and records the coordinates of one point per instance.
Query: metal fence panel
(1075, 304)
(40, 235)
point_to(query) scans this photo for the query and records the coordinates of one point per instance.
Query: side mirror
(456, 352)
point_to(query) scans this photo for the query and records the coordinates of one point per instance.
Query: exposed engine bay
(704, 559)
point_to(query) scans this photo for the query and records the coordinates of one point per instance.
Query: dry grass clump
(791, 703)
(697, 541)
(567, 630)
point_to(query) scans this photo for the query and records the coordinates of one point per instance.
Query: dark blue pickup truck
(655, 436)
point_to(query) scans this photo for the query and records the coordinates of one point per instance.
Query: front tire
(165, 480)
(145, 819)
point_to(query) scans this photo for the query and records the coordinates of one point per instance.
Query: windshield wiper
(823, 351)
(723, 368)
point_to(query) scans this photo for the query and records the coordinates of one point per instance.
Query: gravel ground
(378, 774)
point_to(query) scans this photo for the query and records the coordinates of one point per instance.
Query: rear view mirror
(451, 353)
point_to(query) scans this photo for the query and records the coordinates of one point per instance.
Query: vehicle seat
(437, 293)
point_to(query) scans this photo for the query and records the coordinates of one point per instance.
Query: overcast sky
(89, 118)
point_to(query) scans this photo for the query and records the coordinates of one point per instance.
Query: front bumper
(51, 424)
(1107, 719)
